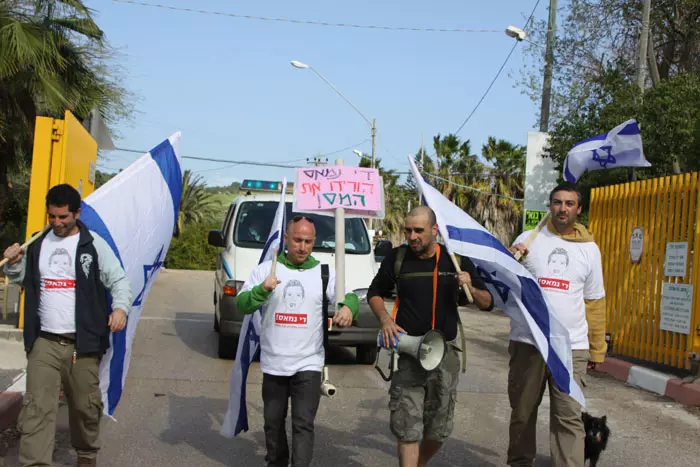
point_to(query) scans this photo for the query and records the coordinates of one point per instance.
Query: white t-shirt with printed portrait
(567, 272)
(291, 337)
(57, 294)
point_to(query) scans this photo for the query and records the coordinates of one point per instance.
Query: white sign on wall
(676, 259)
(676, 307)
(636, 244)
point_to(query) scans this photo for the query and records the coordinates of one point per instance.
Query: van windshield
(254, 221)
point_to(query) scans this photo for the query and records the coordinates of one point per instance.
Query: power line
(281, 164)
(473, 189)
(500, 70)
(307, 22)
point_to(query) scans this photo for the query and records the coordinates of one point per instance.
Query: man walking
(567, 264)
(422, 402)
(66, 275)
(292, 339)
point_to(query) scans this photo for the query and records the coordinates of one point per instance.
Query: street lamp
(515, 33)
(360, 154)
(372, 125)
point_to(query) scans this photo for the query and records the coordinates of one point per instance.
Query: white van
(240, 243)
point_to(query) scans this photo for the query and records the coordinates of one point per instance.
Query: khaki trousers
(49, 364)
(527, 379)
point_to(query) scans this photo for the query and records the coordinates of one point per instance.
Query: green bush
(190, 250)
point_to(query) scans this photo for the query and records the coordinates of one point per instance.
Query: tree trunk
(4, 188)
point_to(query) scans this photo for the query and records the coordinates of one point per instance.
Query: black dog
(597, 434)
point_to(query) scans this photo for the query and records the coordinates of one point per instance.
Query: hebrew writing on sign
(330, 187)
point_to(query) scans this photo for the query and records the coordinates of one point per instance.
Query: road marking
(165, 318)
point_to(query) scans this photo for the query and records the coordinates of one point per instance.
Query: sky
(227, 84)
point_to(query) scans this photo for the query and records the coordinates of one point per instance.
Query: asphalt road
(177, 392)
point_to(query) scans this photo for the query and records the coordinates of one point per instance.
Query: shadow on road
(197, 333)
(375, 434)
(195, 421)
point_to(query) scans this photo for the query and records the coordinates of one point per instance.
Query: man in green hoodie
(567, 264)
(291, 340)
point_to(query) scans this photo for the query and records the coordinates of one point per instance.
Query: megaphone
(429, 350)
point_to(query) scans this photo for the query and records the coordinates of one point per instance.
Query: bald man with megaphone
(423, 329)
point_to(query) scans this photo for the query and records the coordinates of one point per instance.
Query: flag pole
(533, 234)
(466, 289)
(26, 244)
(274, 262)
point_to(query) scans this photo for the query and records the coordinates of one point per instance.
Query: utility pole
(374, 141)
(641, 62)
(422, 152)
(643, 44)
(316, 161)
(548, 65)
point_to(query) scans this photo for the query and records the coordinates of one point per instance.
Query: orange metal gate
(668, 210)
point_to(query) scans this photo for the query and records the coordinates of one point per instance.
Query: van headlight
(361, 294)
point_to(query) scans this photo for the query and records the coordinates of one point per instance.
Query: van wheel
(216, 323)
(228, 346)
(366, 354)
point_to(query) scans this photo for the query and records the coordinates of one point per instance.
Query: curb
(10, 406)
(652, 381)
(10, 332)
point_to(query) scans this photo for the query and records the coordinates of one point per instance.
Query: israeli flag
(135, 213)
(236, 418)
(514, 289)
(620, 147)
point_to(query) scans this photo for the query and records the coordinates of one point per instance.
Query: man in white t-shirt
(566, 262)
(66, 274)
(291, 340)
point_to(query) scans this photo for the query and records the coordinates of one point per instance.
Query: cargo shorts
(422, 403)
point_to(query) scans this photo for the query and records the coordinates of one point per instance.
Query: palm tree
(482, 189)
(52, 56)
(396, 199)
(196, 205)
(500, 213)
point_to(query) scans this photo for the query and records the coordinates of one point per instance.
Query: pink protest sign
(330, 187)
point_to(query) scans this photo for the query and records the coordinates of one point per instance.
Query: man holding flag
(289, 291)
(422, 402)
(66, 274)
(567, 264)
(513, 287)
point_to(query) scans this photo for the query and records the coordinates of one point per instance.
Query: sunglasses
(296, 219)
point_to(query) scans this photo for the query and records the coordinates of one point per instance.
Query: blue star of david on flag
(149, 271)
(490, 278)
(609, 159)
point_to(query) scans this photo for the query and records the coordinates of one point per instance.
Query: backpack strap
(325, 277)
(400, 254)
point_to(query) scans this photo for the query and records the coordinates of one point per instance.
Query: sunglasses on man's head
(296, 219)
(418, 230)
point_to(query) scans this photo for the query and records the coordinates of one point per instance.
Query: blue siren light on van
(260, 185)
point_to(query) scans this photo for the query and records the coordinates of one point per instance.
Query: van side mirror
(382, 249)
(216, 238)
